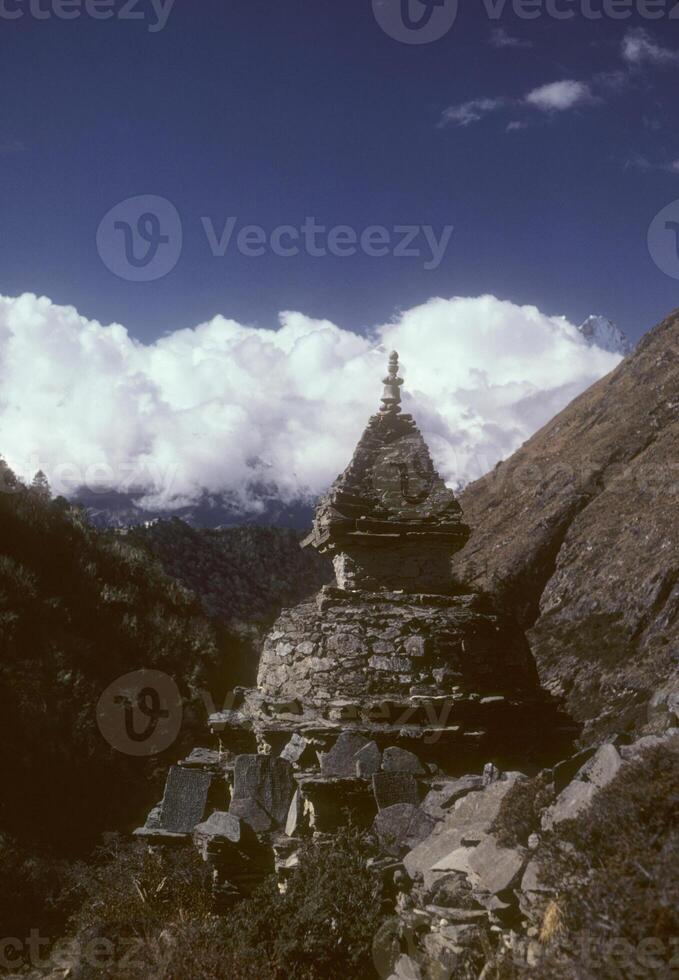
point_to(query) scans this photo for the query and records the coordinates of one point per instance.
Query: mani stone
(262, 783)
(184, 800)
(401, 826)
(251, 813)
(400, 760)
(340, 761)
(368, 760)
(395, 787)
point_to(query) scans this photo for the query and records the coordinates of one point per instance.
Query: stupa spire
(391, 395)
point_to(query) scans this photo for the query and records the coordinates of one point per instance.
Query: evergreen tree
(40, 486)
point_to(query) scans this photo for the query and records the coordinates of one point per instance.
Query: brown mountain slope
(578, 532)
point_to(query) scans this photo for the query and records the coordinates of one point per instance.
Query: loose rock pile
(465, 898)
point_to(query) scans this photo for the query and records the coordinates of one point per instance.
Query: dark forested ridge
(80, 607)
(77, 610)
(242, 574)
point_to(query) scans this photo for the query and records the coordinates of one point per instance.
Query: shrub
(155, 910)
(519, 813)
(615, 871)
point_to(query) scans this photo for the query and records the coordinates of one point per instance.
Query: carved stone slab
(266, 783)
(184, 800)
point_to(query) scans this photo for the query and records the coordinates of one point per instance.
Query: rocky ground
(477, 866)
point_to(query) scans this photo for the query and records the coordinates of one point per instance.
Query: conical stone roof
(390, 491)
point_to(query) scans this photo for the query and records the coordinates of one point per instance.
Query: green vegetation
(519, 813)
(138, 913)
(78, 610)
(615, 871)
(244, 576)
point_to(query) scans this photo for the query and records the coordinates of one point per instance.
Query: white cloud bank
(222, 405)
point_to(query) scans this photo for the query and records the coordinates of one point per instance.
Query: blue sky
(270, 111)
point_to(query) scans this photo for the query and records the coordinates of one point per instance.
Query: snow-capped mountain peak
(601, 332)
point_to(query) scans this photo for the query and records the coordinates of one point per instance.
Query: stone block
(401, 826)
(219, 829)
(400, 760)
(496, 868)
(670, 739)
(185, 799)
(340, 761)
(530, 882)
(456, 860)
(576, 797)
(295, 815)
(251, 813)
(470, 819)
(203, 759)
(394, 787)
(602, 767)
(394, 665)
(439, 801)
(298, 751)
(265, 781)
(415, 646)
(368, 760)
(491, 774)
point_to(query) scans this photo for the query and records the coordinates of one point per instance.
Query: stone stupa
(396, 652)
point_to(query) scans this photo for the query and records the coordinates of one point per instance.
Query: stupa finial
(391, 396)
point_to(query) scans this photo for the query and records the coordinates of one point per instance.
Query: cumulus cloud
(470, 112)
(639, 48)
(559, 96)
(223, 406)
(554, 97)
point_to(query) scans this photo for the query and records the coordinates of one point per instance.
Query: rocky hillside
(578, 533)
